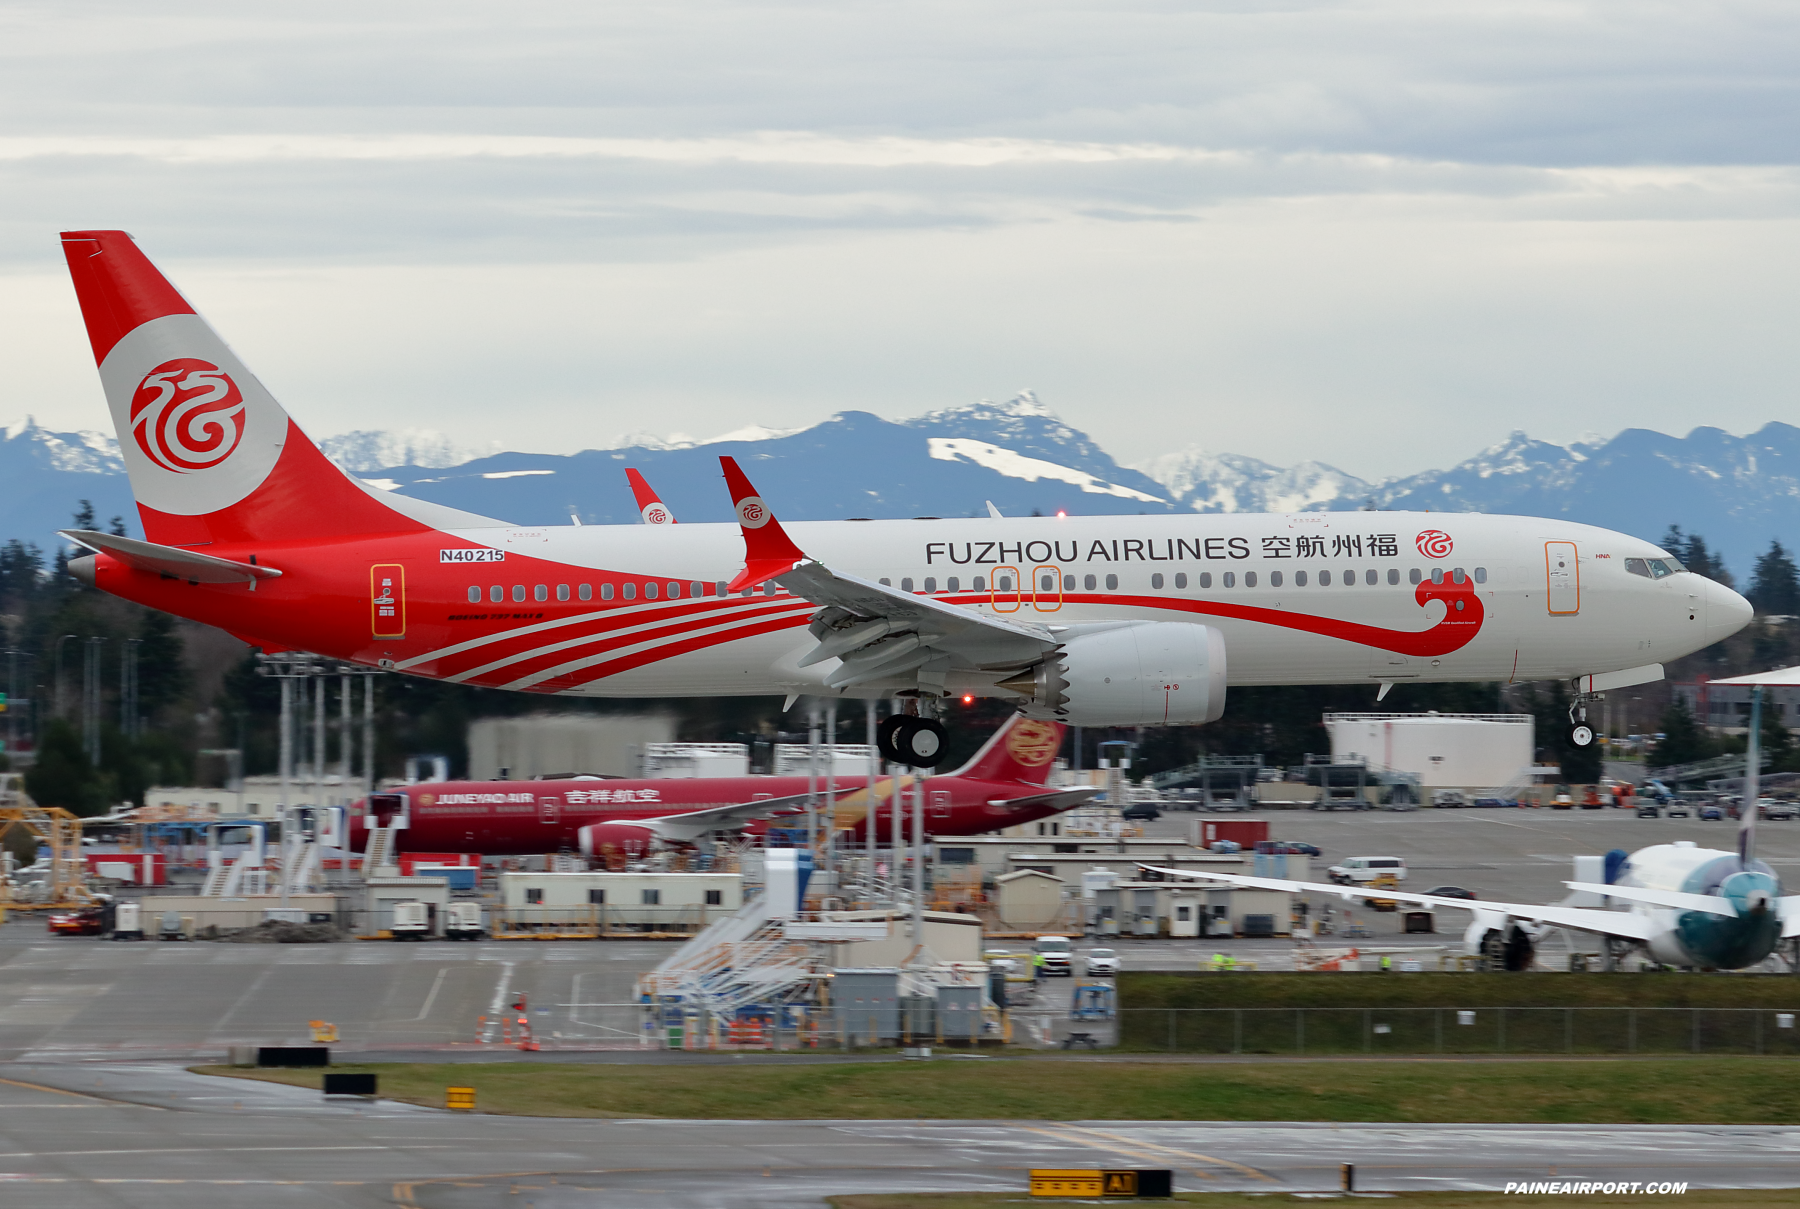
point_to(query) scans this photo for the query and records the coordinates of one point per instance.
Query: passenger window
(931, 585)
(562, 591)
(1206, 579)
(719, 588)
(1180, 579)
(1090, 583)
(541, 592)
(585, 591)
(1437, 575)
(1393, 576)
(1480, 575)
(1457, 575)
(1274, 579)
(886, 582)
(474, 595)
(1249, 579)
(953, 584)
(980, 584)
(1068, 583)
(1002, 583)
(1413, 576)
(1324, 579)
(649, 591)
(1156, 581)
(1229, 579)
(1299, 579)
(906, 584)
(496, 593)
(628, 591)
(696, 590)
(519, 592)
(606, 591)
(1112, 583)
(1350, 579)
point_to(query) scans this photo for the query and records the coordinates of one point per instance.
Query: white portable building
(1472, 751)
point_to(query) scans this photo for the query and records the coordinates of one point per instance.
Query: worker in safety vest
(1387, 964)
(1037, 967)
(1221, 963)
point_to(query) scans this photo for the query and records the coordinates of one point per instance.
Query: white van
(1355, 870)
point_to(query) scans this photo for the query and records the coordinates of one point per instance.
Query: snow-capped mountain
(1738, 491)
(1231, 482)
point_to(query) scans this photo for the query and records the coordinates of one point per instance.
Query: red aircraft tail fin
(650, 505)
(1021, 750)
(213, 458)
(768, 551)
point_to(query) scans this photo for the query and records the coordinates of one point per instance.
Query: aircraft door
(550, 810)
(387, 600)
(1046, 589)
(1563, 584)
(1007, 593)
(386, 810)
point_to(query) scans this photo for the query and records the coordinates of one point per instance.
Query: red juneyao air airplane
(1004, 784)
(1092, 621)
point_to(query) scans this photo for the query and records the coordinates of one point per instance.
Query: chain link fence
(1487, 1030)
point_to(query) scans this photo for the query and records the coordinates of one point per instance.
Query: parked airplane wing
(878, 632)
(1612, 923)
(1059, 799)
(685, 828)
(1789, 906)
(1679, 900)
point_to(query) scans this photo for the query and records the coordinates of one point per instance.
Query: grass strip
(1696, 1198)
(1721, 1091)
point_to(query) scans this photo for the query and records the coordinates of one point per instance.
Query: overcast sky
(1379, 235)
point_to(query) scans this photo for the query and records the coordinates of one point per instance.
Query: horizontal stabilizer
(173, 561)
(1679, 900)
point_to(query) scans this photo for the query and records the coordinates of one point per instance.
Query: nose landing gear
(1580, 733)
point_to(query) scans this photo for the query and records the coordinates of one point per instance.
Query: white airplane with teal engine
(1685, 906)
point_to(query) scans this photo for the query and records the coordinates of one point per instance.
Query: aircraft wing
(1679, 900)
(1612, 923)
(878, 632)
(1789, 907)
(685, 828)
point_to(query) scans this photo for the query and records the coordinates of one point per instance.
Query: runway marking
(436, 983)
(1137, 1148)
(42, 1154)
(499, 1002)
(97, 1100)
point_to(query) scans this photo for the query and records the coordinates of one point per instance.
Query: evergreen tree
(163, 676)
(1683, 740)
(61, 775)
(1775, 583)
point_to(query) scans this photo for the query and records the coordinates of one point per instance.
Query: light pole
(56, 676)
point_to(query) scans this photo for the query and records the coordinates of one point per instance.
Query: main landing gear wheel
(1581, 735)
(905, 739)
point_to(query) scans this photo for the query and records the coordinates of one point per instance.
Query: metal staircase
(378, 857)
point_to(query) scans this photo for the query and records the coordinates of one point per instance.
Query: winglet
(650, 507)
(768, 552)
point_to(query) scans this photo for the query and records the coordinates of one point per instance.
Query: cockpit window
(1661, 567)
(1638, 566)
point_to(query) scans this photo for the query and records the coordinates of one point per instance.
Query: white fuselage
(1303, 598)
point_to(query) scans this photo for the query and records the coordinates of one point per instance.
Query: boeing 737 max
(1107, 620)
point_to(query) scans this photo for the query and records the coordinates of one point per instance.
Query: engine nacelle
(1500, 941)
(630, 840)
(1152, 673)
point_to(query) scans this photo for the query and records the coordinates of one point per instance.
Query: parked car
(1356, 870)
(1058, 956)
(1100, 963)
(1288, 848)
(1496, 803)
(1141, 811)
(1772, 808)
(1649, 810)
(86, 921)
(1452, 892)
(1711, 814)
(1678, 809)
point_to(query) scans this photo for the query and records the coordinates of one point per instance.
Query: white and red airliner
(1004, 784)
(1105, 620)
